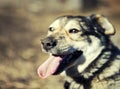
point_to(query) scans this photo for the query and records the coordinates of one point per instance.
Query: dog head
(70, 39)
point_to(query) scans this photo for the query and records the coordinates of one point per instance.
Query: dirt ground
(20, 52)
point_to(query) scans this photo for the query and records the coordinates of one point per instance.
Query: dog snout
(48, 43)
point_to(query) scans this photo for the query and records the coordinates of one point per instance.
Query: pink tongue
(49, 66)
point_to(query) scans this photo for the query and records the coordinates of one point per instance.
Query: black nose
(49, 42)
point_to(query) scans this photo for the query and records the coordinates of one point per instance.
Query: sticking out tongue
(49, 67)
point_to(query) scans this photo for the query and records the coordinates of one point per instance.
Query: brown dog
(80, 46)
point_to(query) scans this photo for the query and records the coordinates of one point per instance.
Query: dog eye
(74, 30)
(51, 29)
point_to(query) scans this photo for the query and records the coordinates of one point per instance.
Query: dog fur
(89, 59)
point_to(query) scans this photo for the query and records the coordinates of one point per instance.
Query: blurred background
(24, 22)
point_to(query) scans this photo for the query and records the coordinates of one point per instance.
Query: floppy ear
(105, 24)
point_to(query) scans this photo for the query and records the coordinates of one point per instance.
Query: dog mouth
(55, 64)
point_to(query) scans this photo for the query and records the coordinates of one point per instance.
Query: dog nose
(49, 43)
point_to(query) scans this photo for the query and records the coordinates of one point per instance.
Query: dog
(80, 49)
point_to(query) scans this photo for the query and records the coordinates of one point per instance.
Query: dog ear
(104, 23)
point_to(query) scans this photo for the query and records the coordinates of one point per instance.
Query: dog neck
(98, 64)
(89, 58)
(90, 53)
